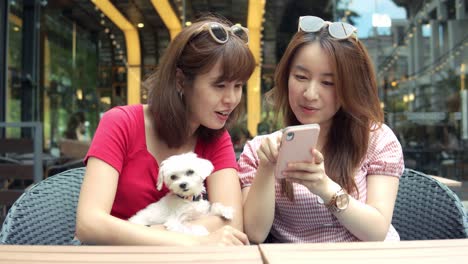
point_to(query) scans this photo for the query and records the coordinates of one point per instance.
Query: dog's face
(184, 174)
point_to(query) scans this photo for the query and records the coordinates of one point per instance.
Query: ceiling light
(140, 25)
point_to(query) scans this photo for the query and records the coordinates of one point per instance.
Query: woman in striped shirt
(347, 191)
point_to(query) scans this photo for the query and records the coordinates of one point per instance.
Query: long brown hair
(194, 52)
(356, 91)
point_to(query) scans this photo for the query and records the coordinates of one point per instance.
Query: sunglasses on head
(338, 30)
(220, 33)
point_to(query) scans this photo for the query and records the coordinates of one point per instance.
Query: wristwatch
(339, 201)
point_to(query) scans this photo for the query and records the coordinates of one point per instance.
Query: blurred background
(65, 62)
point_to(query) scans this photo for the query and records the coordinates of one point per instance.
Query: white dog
(184, 175)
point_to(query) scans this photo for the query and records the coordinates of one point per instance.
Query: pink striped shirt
(306, 220)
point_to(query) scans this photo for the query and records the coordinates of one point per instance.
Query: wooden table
(448, 182)
(12, 254)
(454, 251)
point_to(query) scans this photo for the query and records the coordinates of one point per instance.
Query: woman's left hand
(310, 174)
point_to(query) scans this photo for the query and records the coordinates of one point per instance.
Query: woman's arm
(259, 206)
(223, 187)
(371, 221)
(95, 225)
(259, 198)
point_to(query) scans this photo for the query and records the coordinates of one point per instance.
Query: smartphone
(296, 143)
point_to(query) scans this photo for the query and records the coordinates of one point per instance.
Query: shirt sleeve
(110, 142)
(248, 161)
(385, 155)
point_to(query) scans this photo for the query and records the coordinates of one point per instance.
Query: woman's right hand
(268, 151)
(225, 236)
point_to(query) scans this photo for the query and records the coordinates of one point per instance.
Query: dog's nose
(183, 185)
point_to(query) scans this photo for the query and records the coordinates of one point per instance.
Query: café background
(61, 57)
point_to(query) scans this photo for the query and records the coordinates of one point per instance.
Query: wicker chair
(427, 209)
(45, 213)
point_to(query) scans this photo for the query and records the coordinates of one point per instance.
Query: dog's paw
(198, 230)
(138, 219)
(175, 226)
(226, 212)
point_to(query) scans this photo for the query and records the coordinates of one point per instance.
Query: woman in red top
(193, 96)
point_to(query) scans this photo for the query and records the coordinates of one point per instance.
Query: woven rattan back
(427, 209)
(45, 213)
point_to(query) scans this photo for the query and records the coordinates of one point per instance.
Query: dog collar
(190, 198)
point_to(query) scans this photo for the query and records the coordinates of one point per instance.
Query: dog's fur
(184, 175)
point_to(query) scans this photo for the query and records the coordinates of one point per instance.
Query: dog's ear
(159, 184)
(205, 167)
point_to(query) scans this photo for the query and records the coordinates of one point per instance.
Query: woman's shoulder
(385, 154)
(128, 120)
(382, 132)
(125, 111)
(127, 114)
(384, 140)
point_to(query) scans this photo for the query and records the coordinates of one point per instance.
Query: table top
(448, 182)
(128, 254)
(451, 251)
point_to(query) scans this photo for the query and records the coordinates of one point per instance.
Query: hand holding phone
(296, 143)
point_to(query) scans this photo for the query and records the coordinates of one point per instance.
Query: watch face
(342, 201)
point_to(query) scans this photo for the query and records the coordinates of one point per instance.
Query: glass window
(14, 56)
(70, 73)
